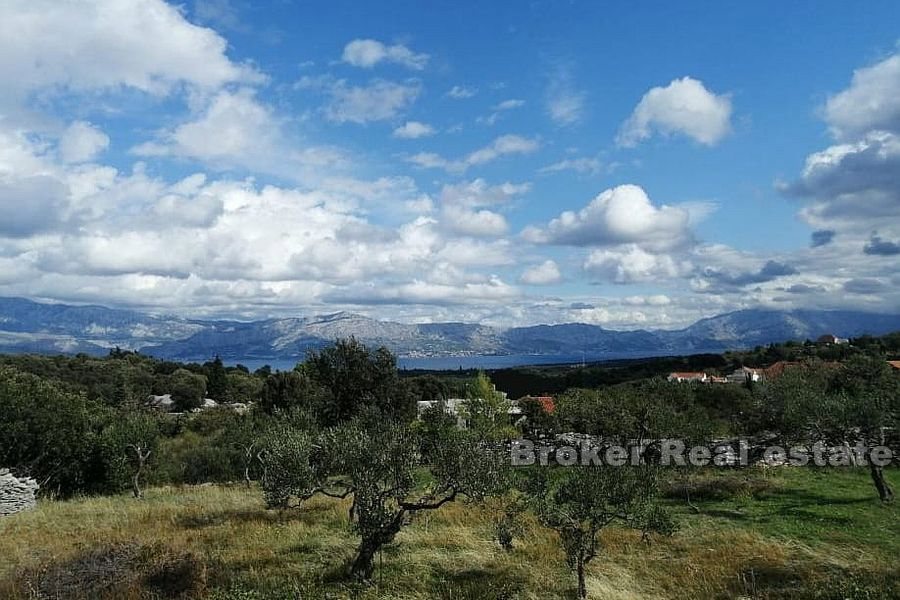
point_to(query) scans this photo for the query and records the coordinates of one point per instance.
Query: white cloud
(367, 53)
(631, 264)
(234, 124)
(413, 130)
(501, 146)
(377, 101)
(619, 215)
(460, 92)
(510, 104)
(499, 109)
(466, 207)
(236, 130)
(478, 223)
(582, 166)
(104, 44)
(546, 273)
(683, 107)
(82, 142)
(871, 101)
(565, 103)
(853, 187)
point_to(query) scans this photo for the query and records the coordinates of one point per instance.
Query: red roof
(548, 403)
(894, 363)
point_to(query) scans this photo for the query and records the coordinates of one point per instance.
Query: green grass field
(787, 533)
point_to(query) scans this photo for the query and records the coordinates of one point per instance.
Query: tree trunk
(884, 489)
(363, 565)
(582, 587)
(136, 481)
(248, 461)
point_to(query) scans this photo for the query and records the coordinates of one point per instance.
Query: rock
(16, 494)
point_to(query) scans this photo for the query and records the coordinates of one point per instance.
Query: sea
(455, 363)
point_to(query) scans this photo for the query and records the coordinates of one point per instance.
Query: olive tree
(578, 502)
(129, 442)
(868, 405)
(378, 464)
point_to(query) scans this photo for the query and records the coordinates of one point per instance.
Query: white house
(745, 374)
(682, 376)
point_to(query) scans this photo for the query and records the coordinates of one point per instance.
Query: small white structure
(455, 407)
(745, 374)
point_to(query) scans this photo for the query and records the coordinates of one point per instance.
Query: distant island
(28, 326)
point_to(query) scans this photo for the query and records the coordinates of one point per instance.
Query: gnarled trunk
(884, 488)
(582, 586)
(141, 455)
(363, 566)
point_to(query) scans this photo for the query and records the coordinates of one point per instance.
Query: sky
(627, 164)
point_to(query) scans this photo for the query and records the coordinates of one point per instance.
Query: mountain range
(27, 326)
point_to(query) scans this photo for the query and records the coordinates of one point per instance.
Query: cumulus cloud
(632, 264)
(683, 107)
(413, 130)
(82, 142)
(421, 292)
(234, 129)
(853, 186)
(870, 103)
(502, 146)
(619, 215)
(102, 45)
(468, 208)
(546, 273)
(367, 53)
(233, 124)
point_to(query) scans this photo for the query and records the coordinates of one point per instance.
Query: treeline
(80, 424)
(520, 381)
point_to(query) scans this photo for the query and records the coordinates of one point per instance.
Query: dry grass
(221, 543)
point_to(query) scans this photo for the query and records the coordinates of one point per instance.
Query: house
(776, 370)
(548, 403)
(716, 379)
(455, 407)
(745, 374)
(831, 339)
(682, 376)
(895, 364)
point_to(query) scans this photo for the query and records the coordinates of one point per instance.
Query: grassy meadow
(785, 533)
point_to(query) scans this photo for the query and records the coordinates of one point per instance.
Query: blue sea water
(453, 363)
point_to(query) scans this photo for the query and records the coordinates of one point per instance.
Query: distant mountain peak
(27, 326)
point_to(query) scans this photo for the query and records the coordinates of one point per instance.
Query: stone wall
(16, 494)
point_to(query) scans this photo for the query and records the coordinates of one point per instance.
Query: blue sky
(627, 164)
